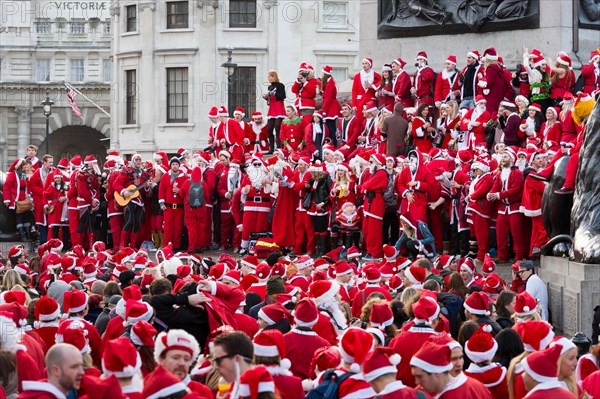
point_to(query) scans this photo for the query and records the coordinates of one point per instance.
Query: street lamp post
(47, 104)
(230, 68)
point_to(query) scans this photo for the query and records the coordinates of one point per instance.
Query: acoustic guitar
(135, 193)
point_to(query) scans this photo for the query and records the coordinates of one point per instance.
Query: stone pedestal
(573, 292)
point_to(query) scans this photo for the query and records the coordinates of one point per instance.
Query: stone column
(23, 130)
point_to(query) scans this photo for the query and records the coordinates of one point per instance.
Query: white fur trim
(267, 351)
(428, 367)
(360, 394)
(538, 377)
(50, 317)
(265, 386)
(180, 386)
(128, 371)
(330, 294)
(43, 387)
(146, 316)
(476, 311)
(480, 357)
(379, 372)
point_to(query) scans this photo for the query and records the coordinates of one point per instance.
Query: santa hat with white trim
(381, 361)
(74, 301)
(482, 346)
(355, 388)
(10, 333)
(381, 316)
(354, 347)
(163, 384)
(175, 339)
(477, 303)
(274, 313)
(525, 304)
(46, 310)
(13, 296)
(254, 381)
(270, 343)
(73, 332)
(535, 334)
(565, 343)
(143, 334)
(542, 366)
(426, 310)
(306, 313)
(304, 261)
(416, 275)
(121, 358)
(323, 291)
(433, 358)
(136, 311)
(250, 261)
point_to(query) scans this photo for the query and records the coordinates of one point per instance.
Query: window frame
(170, 15)
(131, 97)
(47, 24)
(37, 69)
(129, 19)
(80, 31)
(324, 16)
(241, 91)
(182, 96)
(71, 69)
(235, 16)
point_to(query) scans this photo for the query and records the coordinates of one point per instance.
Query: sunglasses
(217, 360)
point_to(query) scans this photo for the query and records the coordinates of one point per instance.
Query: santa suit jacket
(361, 95)
(586, 365)
(15, 189)
(401, 87)
(325, 329)
(374, 187)
(36, 185)
(292, 132)
(246, 323)
(397, 390)
(493, 87)
(230, 132)
(478, 191)
(510, 190)
(458, 85)
(492, 376)
(547, 390)
(258, 136)
(424, 85)
(50, 198)
(463, 387)
(406, 345)
(510, 133)
(165, 189)
(443, 84)
(331, 106)
(420, 135)
(551, 133)
(47, 332)
(287, 385)
(88, 189)
(94, 339)
(40, 390)
(127, 177)
(592, 81)
(423, 177)
(310, 137)
(466, 124)
(114, 209)
(360, 298)
(349, 130)
(306, 93)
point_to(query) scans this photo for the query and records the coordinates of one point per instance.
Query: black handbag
(307, 200)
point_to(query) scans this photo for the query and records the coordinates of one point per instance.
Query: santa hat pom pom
(285, 364)
(355, 368)
(487, 328)
(395, 359)
(526, 308)
(308, 385)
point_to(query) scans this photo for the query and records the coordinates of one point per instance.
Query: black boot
(271, 145)
(22, 234)
(320, 245)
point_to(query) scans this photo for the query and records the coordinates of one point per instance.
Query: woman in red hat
(275, 97)
(331, 106)
(15, 190)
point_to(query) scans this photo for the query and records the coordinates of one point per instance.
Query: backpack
(390, 200)
(329, 386)
(196, 197)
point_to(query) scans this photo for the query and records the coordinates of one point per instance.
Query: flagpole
(85, 97)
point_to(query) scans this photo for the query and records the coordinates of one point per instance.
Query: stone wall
(573, 291)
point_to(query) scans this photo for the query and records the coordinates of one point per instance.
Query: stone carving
(589, 14)
(557, 225)
(402, 18)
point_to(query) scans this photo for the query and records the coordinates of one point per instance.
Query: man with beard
(176, 350)
(474, 123)
(531, 206)
(133, 216)
(374, 207)
(445, 82)
(257, 135)
(424, 81)
(508, 190)
(229, 180)
(332, 320)
(64, 366)
(87, 186)
(364, 88)
(349, 128)
(303, 224)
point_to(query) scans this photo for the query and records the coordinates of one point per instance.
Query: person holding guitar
(132, 182)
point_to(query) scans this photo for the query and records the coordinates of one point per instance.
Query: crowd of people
(351, 205)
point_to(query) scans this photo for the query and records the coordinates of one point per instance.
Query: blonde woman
(275, 97)
(567, 363)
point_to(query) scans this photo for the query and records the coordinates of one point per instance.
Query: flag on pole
(71, 94)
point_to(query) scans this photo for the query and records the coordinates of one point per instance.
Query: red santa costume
(47, 316)
(531, 206)
(590, 73)
(228, 182)
(374, 206)
(332, 321)
(114, 210)
(315, 134)
(369, 136)
(76, 164)
(87, 186)
(170, 197)
(195, 213)
(479, 208)
(230, 136)
(416, 180)
(586, 365)
(350, 129)
(55, 190)
(306, 91)
(474, 122)
(383, 361)
(402, 85)
(542, 367)
(424, 81)
(373, 278)
(303, 227)
(421, 135)
(551, 132)
(256, 195)
(15, 189)
(492, 82)
(292, 133)
(36, 185)
(364, 87)
(564, 84)
(257, 135)
(508, 185)
(284, 233)
(445, 82)
(331, 106)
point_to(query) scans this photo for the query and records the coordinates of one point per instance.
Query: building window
(340, 74)
(177, 15)
(42, 27)
(242, 13)
(43, 70)
(242, 90)
(77, 28)
(177, 95)
(130, 97)
(335, 15)
(131, 18)
(77, 70)
(106, 27)
(106, 70)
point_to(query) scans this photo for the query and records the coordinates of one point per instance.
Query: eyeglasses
(217, 360)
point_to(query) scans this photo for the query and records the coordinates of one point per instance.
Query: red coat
(15, 189)
(36, 187)
(552, 133)
(402, 85)
(258, 137)
(40, 390)
(493, 87)
(463, 387)
(423, 177)
(292, 132)
(246, 323)
(492, 376)
(50, 198)
(420, 135)
(592, 81)
(300, 349)
(424, 84)
(128, 176)
(165, 189)
(406, 345)
(550, 390)
(229, 133)
(88, 189)
(466, 124)
(563, 85)
(376, 184)
(443, 85)
(362, 94)
(27, 368)
(306, 93)
(325, 329)
(310, 138)
(478, 191)
(397, 390)
(287, 385)
(94, 339)
(349, 130)
(331, 105)
(510, 190)
(48, 335)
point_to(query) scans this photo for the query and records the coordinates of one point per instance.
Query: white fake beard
(372, 169)
(256, 175)
(338, 316)
(413, 167)
(521, 164)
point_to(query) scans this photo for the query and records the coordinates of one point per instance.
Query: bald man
(65, 370)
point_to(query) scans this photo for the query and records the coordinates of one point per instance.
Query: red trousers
(229, 231)
(539, 236)
(73, 225)
(436, 226)
(156, 222)
(481, 226)
(255, 222)
(515, 225)
(116, 226)
(206, 233)
(131, 239)
(305, 233)
(195, 221)
(373, 233)
(173, 226)
(571, 172)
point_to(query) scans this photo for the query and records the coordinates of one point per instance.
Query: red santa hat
(379, 158)
(353, 252)
(101, 388)
(175, 339)
(482, 346)
(370, 107)
(73, 332)
(234, 276)
(535, 334)
(251, 261)
(381, 316)
(354, 346)
(16, 251)
(468, 265)
(162, 385)
(306, 313)
(121, 358)
(426, 310)
(479, 99)
(525, 304)
(46, 309)
(13, 297)
(304, 261)
(474, 54)
(136, 311)
(594, 55)
(342, 268)
(542, 366)
(399, 61)
(443, 261)
(492, 285)
(223, 111)
(143, 334)
(386, 68)
(270, 343)
(422, 55)
(555, 111)
(395, 283)
(239, 110)
(327, 69)
(257, 115)
(263, 271)
(388, 269)
(22, 268)
(564, 59)
(451, 59)
(74, 301)
(535, 107)
(254, 381)
(369, 60)
(488, 264)
(323, 290)
(213, 113)
(217, 271)
(354, 388)
(202, 368)
(416, 275)
(381, 361)
(490, 54)
(321, 264)
(389, 252)
(274, 313)
(433, 358)
(76, 162)
(565, 344)
(90, 159)
(477, 303)
(372, 274)
(323, 359)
